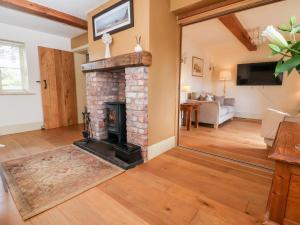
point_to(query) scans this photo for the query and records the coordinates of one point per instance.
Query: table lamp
(186, 89)
(225, 75)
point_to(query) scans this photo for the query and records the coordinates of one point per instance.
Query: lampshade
(225, 75)
(186, 88)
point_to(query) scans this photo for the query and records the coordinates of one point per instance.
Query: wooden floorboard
(222, 165)
(238, 140)
(178, 187)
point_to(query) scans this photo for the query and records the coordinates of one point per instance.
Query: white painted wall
(80, 84)
(24, 112)
(251, 101)
(198, 84)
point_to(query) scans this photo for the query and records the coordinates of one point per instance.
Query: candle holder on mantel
(107, 40)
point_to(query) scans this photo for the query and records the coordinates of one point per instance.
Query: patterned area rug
(42, 181)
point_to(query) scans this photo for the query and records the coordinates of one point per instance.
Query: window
(13, 68)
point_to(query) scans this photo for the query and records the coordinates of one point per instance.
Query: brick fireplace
(122, 79)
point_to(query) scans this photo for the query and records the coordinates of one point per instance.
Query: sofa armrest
(229, 101)
(209, 112)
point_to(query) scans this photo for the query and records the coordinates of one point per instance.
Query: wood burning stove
(116, 122)
(116, 132)
(115, 148)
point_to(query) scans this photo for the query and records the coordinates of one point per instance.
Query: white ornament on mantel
(138, 47)
(107, 40)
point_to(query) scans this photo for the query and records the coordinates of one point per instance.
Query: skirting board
(247, 115)
(161, 147)
(18, 128)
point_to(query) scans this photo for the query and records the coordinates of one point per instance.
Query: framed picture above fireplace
(114, 19)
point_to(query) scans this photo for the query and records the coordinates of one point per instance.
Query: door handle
(45, 84)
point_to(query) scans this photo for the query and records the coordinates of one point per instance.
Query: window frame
(23, 69)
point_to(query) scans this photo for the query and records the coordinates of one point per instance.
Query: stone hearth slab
(107, 152)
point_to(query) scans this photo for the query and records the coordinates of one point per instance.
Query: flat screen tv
(258, 74)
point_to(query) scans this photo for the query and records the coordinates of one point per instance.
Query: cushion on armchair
(209, 98)
(220, 99)
(229, 101)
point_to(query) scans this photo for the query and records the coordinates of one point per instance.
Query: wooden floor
(179, 187)
(237, 139)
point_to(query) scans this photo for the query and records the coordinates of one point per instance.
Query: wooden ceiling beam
(221, 8)
(234, 25)
(43, 11)
(199, 7)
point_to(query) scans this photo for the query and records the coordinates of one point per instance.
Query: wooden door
(58, 87)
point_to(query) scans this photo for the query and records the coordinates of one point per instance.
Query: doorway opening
(230, 103)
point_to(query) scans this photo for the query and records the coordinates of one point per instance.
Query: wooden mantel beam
(234, 25)
(119, 62)
(42, 11)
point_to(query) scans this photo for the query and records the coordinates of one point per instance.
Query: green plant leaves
(296, 46)
(295, 30)
(285, 27)
(288, 65)
(293, 21)
(280, 62)
(275, 48)
(290, 55)
(298, 69)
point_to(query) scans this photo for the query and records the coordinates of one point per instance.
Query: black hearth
(115, 148)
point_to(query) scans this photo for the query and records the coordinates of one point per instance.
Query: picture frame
(197, 67)
(114, 19)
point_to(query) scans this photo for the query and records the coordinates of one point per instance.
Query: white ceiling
(213, 32)
(78, 8)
